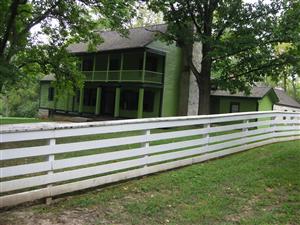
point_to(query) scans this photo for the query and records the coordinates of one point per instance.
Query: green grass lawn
(15, 120)
(260, 186)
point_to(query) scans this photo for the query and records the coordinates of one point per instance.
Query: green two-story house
(126, 77)
(139, 76)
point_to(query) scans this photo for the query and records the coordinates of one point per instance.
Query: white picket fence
(49, 159)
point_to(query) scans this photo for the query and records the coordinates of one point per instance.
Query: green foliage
(239, 39)
(57, 24)
(22, 100)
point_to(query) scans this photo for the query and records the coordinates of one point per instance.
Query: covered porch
(135, 65)
(114, 101)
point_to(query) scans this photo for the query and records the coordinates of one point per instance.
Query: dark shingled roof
(255, 92)
(286, 100)
(137, 37)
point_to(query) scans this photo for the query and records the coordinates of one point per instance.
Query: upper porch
(135, 65)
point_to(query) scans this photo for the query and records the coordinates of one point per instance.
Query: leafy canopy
(34, 35)
(239, 39)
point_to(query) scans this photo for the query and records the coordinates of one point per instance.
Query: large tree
(238, 39)
(35, 34)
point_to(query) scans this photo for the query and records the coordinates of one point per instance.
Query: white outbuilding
(286, 103)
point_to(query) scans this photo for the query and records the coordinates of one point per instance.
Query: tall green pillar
(81, 101)
(117, 102)
(141, 103)
(98, 101)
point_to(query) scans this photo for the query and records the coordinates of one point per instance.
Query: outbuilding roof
(112, 40)
(49, 77)
(255, 92)
(286, 100)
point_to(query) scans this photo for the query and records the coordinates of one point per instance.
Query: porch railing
(48, 159)
(125, 76)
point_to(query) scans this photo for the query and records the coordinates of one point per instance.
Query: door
(108, 101)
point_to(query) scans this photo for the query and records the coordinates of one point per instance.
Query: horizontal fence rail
(48, 159)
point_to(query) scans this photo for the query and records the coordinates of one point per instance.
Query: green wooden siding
(44, 103)
(265, 104)
(173, 65)
(222, 104)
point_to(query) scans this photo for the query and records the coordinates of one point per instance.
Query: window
(148, 101)
(114, 64)
(129, 100)
(89, 97)
(234, 107)
(50, 94)
(87, 64)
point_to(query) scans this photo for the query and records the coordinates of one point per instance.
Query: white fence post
(245, 129)
(273, 125)
(50, 159)
(146, 145)
(206, 135)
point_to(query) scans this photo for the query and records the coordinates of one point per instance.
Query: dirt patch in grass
(78, 216)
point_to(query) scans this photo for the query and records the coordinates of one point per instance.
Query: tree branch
(248, 48)
(198, 27)
(264, 66)
(40, 18)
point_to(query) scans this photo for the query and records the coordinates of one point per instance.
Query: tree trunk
(185, 79)
(204, 82)
(204, 95)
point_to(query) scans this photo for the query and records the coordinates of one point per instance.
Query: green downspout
(144, 66)
(98, 101)
(81, 100)
(141, 102)
(117, 102)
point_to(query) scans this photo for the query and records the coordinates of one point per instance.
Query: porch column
(98, 101)
(144, 65)
(81, 100)
(117, 102)
(141, 102)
